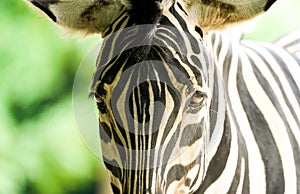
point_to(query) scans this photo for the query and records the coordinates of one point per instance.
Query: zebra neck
(227, 151)
(218, 154)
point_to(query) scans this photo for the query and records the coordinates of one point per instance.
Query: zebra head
(153, 98)
(161, 102)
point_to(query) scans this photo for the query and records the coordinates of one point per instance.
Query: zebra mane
(145, 11)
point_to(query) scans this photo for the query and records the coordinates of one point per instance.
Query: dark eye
(197, 99)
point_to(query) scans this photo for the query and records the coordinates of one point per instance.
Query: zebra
(186, 110)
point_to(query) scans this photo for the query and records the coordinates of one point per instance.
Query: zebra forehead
(151, 73)
(168, 63)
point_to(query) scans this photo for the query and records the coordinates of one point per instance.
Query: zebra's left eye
(97, 98)
(100, 104)
(197, 99)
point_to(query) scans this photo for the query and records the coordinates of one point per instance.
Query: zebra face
(144, 102)
(153, 104)
(149, 126)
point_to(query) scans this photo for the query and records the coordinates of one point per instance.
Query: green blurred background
(41, 151)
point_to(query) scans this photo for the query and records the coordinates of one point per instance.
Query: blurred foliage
(281, 18)
(40, 150)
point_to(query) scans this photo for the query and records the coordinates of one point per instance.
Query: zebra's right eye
(97, 98)
(197, 99)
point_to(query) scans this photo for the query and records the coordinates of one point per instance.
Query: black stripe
(171, 120)
(170, 145)
(227, 61)
(272, 96)
(113, 167)
(144, 11)
(142, 100)
(269, 4)
(291, 43)
(105, 132)
(120, 20)
(218, 162)
(181, 8)
(199, 31)
(243, 154)
(176, 172)
(267, 86)
(193, 42)
(191, 133)
(197, 62)
(170, 37)
(165, 21)
(44, 6)
(270, 92)
(198, 175)
(115, 189)
(159, 96)
(289, 77)
(236, 179)
(296, 151)
(279, 109)
(181, 21)
(170, 40)
(175, 66)
(264, 138)
(214, 106)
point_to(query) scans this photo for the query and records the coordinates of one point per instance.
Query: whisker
(214, 111)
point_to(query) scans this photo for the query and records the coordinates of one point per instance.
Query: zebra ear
(216, 14)
(90, 16)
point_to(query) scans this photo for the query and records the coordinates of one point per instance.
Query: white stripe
(257, 170)
(272, 82)
(275, 124)
(242, 177)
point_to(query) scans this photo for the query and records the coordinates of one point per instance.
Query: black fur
(145, 11)
(269, 4)
(44, 6)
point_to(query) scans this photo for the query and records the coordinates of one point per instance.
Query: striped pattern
(264, 98)
(182, 115)
(291, 43)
